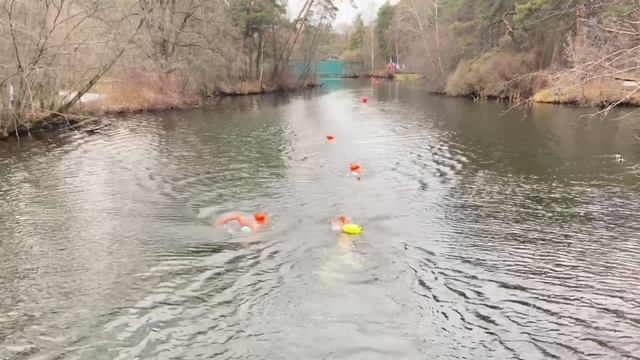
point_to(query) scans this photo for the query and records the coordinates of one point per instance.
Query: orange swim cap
(330, 137)
(260, 217)
(355, 167)
(340, 221)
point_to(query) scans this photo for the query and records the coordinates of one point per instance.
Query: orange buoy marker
(330, 137)
(365, 100)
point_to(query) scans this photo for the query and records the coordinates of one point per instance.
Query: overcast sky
(368, 8)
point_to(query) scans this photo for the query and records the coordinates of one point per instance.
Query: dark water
(485, 236)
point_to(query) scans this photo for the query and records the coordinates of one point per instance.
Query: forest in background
(567, 51)
(62, 55)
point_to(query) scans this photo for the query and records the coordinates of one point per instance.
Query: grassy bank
(594, 93)
(539, 88)
(516, 77)
(384, 74)
(408, 77)
(496, 75)
(133, 92)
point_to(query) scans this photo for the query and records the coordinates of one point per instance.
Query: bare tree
(420, 38)
(604, 60)
(59, 52)
(322, 8)
(54, 47)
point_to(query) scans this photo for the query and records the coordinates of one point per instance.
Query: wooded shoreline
(86, 117)
(63, 58)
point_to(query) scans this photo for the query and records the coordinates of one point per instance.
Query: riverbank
(601, 93)
(136, 93)
(383, 74)
(594, 93)
(515, 77)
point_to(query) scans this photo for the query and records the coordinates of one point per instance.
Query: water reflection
(499, 236)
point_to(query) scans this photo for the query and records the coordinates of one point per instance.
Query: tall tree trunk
(438, 43)
(372, 38)
(261, 60)
(428, 52)
(259, 55)
(299, 24)
(250, 59)
(310, 54)
(396, 44)
(582, 17)
(275, 44)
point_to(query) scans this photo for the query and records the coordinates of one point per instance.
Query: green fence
(326, 69)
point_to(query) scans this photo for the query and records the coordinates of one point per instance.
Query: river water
(486, 235)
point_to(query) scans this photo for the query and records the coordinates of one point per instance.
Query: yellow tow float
(352, 229)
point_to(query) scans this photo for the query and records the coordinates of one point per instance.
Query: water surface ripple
(487, 236)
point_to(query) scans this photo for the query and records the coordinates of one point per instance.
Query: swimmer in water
(246, 226)
(356, 171)
(343, 260)
(340, 221)
(619, 157)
